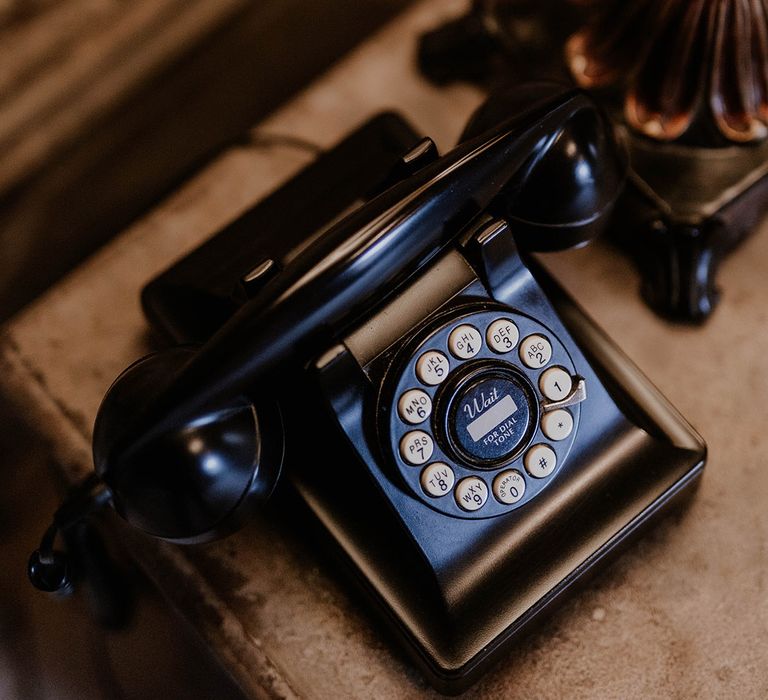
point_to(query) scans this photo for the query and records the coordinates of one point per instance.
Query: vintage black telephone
(472, 442)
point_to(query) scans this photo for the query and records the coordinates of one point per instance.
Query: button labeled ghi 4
(465, 341)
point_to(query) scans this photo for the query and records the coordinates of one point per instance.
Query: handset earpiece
(199, 481)
(569, 186)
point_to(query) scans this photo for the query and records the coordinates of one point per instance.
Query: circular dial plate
(485, 414)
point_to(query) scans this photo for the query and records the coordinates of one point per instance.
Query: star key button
(557, 425)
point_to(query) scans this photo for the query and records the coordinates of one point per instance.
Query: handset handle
(366, 256)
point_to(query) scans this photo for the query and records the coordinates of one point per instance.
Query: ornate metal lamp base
(690, 199)
(684, 209)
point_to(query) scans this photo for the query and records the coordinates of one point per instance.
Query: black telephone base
(457, 588)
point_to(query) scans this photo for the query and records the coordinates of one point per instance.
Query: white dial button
(414, 406)
(432, 367)
(471, 493)
(540, 461)
(502, 335)
(437, 479)
(416, 447)
(557, 425)
(555, 383)
(535, 351)
(509, 486)
(465, 341)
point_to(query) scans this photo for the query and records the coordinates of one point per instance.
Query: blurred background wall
(106, 104)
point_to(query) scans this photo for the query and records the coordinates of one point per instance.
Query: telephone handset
(330, 285)
(437, 401)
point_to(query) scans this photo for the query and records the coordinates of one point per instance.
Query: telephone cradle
(469, 441)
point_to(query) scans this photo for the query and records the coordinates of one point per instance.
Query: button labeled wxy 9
(471, 493)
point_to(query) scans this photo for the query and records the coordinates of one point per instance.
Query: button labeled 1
(471, 493)
(502, 336)
(465, 341)
(555, 383)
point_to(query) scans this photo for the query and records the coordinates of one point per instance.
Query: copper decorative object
(695, 67)
(686, 81)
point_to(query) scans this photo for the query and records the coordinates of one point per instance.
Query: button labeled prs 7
(416, 447)
(471, 493)
(414, 406)
(465, 341)
(502, 335)
(535, 351)
(432, 367)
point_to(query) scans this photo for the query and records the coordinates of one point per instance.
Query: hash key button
(540, 461)
(471, 493)
(416, 447)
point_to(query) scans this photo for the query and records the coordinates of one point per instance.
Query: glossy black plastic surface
(457, 591)
(198, 481)
(373, 250)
